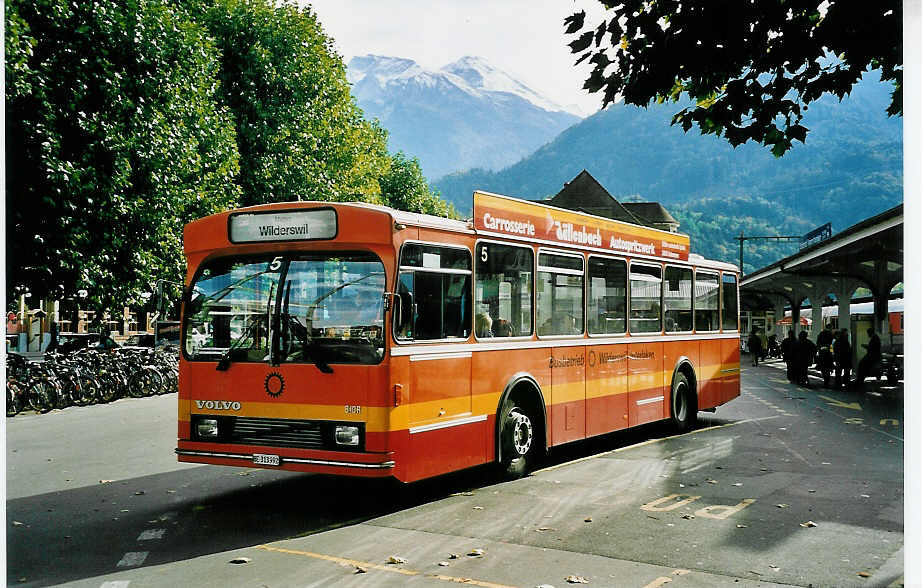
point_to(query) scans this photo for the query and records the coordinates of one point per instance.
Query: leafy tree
(750, 68)
(299, 133)
(404, 187)
(114, 141)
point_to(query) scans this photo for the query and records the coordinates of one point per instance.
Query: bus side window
(434, 293)
(677, 298)
(607, 296)
(707, 302)
(729, 307)
(503, 288)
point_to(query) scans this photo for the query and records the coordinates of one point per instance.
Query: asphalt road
(783, 486)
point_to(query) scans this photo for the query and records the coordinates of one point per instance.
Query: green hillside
(849, 169)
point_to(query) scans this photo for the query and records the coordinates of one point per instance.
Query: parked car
(70, 342)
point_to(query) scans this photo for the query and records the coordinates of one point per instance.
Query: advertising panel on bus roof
(282, 225)
(530, 220)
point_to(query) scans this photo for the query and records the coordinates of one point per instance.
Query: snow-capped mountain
(466, 115)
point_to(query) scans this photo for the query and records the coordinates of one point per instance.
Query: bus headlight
(207, 428)
(346, 435)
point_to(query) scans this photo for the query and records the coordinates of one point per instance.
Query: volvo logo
(275, 384)
(217, 405)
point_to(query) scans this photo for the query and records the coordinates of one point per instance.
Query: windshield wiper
(225, 361)
(291, 330)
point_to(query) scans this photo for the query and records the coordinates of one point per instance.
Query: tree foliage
(114, 140)
(750, 69)
(126, 120)
(299, 133)
(405, 188)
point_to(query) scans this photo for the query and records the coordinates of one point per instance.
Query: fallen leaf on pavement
(864, 574)
(396, 560)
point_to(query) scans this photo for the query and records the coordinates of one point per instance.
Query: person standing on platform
(842, 354)
(824, 359)
(788, 347)
(805, 352)
(871, 360)
(755, 346)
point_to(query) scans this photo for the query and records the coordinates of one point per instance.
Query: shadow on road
(69, 535)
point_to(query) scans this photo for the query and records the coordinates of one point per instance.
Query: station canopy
(868, 254)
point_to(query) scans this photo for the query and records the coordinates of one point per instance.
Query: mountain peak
(382, 67)
(481, 75)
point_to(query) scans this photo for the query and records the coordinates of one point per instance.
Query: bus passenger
(502, 328)
(483, 325)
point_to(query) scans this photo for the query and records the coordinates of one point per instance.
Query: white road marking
(115, 584)
(132, 559)
(151, 534)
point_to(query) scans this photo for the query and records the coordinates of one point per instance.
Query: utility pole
(742, 238)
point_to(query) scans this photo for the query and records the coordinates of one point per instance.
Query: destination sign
(290, 225)
(520, 218)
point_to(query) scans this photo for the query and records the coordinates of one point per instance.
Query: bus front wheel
(684, 404)
(517, 437)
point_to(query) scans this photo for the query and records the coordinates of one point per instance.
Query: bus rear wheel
(517, 438)
(684, 404)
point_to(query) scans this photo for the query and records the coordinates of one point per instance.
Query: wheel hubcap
(521, 433)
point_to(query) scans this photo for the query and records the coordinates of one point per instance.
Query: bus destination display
(294, 225)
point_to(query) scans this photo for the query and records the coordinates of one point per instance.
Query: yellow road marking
(386, 568)
(839, 403)
(894, 422)
(658, 582)
(468, 581)
(342, 560)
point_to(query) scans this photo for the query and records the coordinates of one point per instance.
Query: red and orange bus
(353, 339)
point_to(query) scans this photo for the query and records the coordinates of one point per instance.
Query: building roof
(585, 194)
(652, 212)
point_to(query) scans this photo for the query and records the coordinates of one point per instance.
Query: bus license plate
(264, 459)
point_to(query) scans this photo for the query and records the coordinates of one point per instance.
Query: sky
(524, 38)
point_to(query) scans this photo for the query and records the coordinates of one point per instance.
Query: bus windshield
(298, 308)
